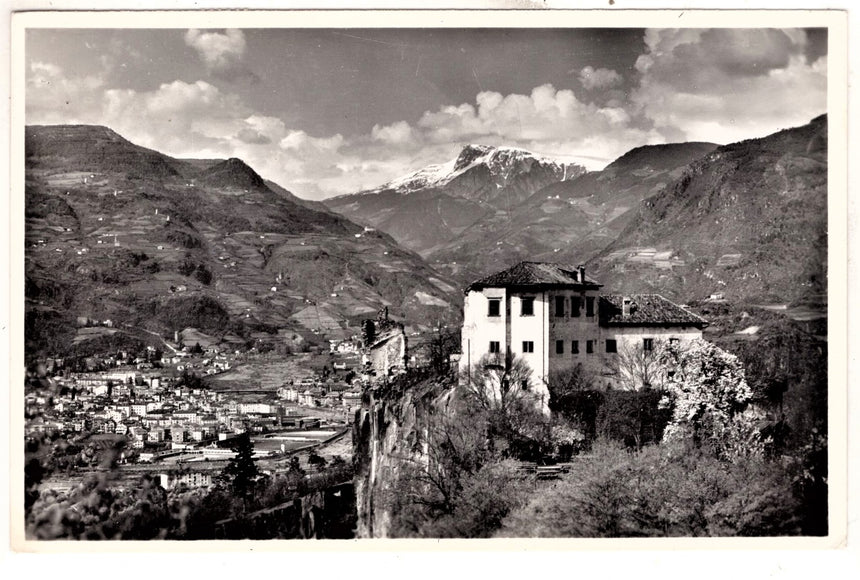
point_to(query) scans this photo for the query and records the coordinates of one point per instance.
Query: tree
(34, 472)
(502, 388)
(241, 473)
(196, 349)
(443, 343)
(317, 461)
(295, 466)
(368, 332)
(709, 395)
(500, 383)
(636, 368)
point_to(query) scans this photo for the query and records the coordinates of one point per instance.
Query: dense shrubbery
(672, 489)
(635, 418)
(96, 510)
(101, 508)
(202, 312)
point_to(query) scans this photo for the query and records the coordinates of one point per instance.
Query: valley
(117, 232)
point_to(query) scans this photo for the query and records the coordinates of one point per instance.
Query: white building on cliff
(554, 317)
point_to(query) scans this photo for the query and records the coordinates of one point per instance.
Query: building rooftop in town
(537, 275)
(645, 310)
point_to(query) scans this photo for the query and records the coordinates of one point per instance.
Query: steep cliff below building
(390, 439)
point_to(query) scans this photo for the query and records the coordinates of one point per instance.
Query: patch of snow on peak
(426, 176)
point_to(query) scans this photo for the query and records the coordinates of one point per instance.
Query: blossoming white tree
(710, 396)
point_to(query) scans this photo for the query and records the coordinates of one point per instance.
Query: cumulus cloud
(53, 97)
(252, 137)
(399, 133)
(600, 78)
(547, 120)
(217, 50)
(262, 130)
(726, 85)
(221, 53)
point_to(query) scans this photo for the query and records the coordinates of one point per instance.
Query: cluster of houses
(311, 392)
(209, 361)
(150, 411)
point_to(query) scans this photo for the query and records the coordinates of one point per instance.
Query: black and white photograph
(329, 279)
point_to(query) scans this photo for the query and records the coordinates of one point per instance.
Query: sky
(325, 112)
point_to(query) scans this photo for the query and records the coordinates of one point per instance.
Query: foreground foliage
(673, 489)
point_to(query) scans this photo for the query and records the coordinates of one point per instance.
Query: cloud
(547, 120)
(727, 85)
(182, 119)
(399, 133)
(262, 130)
(222, 53)
(710, 85)
(217, 50)
(252, 137)
(601, 78)
(52, 97)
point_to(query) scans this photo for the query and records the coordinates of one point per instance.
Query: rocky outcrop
(390, 434)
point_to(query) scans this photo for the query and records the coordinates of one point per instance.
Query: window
(574, 347)
(528, 346)
(648, 344)
(575, 304)
(559, 347)
(495, 348)
(589, 346)
(589, 305)
(495, 308)
(675, 341)
(611, 345)
(524, 384)
(559, 306)
(527, 306)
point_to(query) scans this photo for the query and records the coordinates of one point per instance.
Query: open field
(262, 375)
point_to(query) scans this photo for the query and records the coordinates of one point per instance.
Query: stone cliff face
(390, 433)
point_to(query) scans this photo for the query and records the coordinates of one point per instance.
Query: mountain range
(426, 208)
(155, 244)
(566, 221)
(747, 221)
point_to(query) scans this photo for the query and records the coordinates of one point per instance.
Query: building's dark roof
(535, 274)
(645, 310)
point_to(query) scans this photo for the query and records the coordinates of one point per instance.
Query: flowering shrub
(709, 395)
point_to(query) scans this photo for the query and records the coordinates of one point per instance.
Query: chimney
(625, 307)
(581, 269)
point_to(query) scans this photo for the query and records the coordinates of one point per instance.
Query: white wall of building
(532, 329)
(479, 328)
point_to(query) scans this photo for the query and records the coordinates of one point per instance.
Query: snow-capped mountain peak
(501, 163)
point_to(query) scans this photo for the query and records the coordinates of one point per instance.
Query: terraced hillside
(748, 221)
(152, 243)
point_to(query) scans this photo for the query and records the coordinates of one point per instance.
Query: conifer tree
(241, 473)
